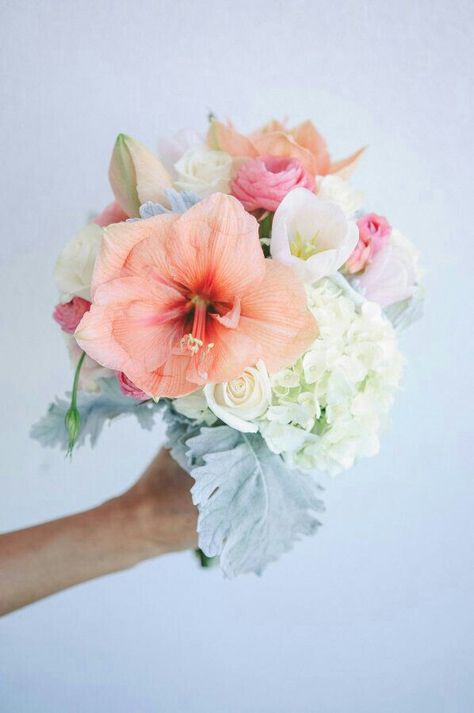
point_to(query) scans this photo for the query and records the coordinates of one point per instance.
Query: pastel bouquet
(237, 287)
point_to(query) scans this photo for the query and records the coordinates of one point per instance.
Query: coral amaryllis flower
(303, 142)
(183, 300)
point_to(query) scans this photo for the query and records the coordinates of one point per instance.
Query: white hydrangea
(328, 408)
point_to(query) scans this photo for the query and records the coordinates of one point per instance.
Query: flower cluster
(169, 290)
(237, 283)
(328, 407)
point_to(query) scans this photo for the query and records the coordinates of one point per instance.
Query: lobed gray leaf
(180, 202)
(252, 506)
(96, 409)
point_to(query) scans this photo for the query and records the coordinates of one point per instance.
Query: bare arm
(154, 517)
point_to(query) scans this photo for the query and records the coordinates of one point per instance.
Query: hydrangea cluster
(328, 407)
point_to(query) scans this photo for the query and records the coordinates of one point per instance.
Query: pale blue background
(374, 615)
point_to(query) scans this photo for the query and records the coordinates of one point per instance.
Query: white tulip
(335, 189)
(243, 400)
(312, 235)
(75, 264)
(204, 171)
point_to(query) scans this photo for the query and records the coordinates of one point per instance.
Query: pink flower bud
(69, 314)
(112, 213)
(263, 182)
(374, 230)
(128, 388)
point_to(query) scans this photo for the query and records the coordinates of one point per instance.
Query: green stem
(204, 560)
(72, 419)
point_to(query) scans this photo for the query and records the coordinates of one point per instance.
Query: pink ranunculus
(69, 314)
(128, 388)
(374, 231)
(263, 182)
(112, 213)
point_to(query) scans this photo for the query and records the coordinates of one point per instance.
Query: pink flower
(128, 388)
(69, 314)
(263, 182)
(112, 213)
(374, 230)
(183, 300)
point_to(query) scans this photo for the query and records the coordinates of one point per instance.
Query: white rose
(75, 264)
(240, 401)
(204, 171)
(335, 189)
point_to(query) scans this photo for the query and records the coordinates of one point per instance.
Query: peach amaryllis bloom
(179, 301)
(303, 142)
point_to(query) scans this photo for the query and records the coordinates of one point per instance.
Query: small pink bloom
(69, 314)
(112, 213)
(374, 230)
(263, 182)
(128, 388)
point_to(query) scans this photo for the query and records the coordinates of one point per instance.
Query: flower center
(304, 248)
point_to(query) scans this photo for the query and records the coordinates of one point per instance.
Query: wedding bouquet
(237, 286)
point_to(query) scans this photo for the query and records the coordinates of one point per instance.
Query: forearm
(155, 516)
(47, 558)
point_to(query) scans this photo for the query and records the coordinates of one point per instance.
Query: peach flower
(263, 182)
(69, 314)
(183, 300)
(374, 231)
(303, 142)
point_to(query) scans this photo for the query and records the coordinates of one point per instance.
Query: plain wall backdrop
(374, 614)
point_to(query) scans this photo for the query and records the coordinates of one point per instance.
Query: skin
(154, 517)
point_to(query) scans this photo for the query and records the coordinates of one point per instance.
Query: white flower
(241, 401)
(194, 406)
(328, 407)
(312, 234)
(336, 190)
(393, 274)
(172, 149)
(75, 264)
(204, 171)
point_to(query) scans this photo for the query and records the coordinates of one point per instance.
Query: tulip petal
(224, 137)
(345, 167)
(306, 135)
(136, 175)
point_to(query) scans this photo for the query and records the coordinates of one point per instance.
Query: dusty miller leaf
(96, 409)
(252, 506)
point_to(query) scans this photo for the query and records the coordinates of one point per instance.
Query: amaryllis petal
(169, 380)
(281, 332)
(215, 246)
(118, 241)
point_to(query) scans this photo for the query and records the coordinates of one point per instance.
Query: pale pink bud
(374, 230)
